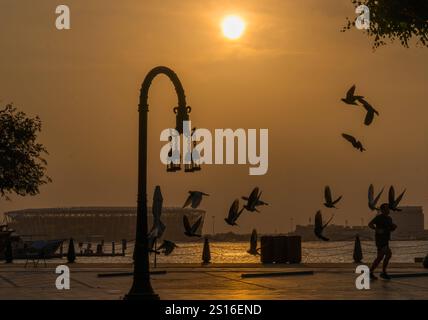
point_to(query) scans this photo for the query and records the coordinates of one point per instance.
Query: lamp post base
(141, 296)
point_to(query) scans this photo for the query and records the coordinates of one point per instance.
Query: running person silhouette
(383, 226)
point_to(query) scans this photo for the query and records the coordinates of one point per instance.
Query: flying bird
(319, 226)
(253, 244)
(194, 199)
(189, 230)
(372, 200)
(370, 111)
(158, 227)
(355, 143)
(234, 213)
(392, 201)
(167, 247)
(329, 203)
(351, 98)
(254, 201)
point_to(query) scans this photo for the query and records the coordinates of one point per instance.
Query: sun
(233, 27)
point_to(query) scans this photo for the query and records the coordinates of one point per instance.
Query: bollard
(358, 251)
(113, 249)
(71, 253)
(206, 254)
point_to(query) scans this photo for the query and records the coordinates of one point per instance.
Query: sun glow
(233, 27)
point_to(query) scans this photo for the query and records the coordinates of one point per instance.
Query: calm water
(236, 252)
(228, 252)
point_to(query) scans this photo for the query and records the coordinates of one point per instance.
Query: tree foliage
(22, 166)
(399, 20)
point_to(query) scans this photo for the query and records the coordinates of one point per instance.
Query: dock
(216, 281)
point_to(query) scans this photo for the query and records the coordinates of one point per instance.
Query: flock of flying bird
(195, 197)
(393, 202)
(351, 99)
(193, 200)
(253, 201)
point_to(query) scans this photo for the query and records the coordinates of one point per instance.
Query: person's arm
(372, 224)
(392, 226)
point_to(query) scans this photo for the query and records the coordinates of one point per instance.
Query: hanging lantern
(195, 155)
(196, 158)
(188, 162)
(174, 155)
(188, 157)
(182, 114)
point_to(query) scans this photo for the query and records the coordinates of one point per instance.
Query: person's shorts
(382, 246)
(381, 242)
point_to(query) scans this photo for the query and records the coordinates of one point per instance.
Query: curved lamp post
(141, 287)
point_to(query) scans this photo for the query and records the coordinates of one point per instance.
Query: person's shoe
(372, 276)
(385, 276)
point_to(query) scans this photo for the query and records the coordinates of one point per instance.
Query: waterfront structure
(94, 223)
(409, 221)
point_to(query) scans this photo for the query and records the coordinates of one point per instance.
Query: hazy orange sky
(287, 74)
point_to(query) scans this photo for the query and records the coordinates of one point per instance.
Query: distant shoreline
(234, 237)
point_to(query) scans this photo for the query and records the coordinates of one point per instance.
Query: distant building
(334, 232)
(95, 223)
(409, 221)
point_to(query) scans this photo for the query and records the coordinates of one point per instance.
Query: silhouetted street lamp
(141, 288)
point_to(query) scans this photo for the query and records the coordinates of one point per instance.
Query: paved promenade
(329, 281)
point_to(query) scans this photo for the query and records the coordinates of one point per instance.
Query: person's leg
(388, 255)
(376, 262)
